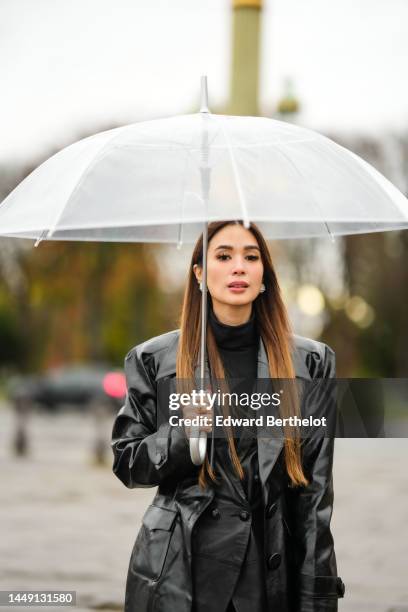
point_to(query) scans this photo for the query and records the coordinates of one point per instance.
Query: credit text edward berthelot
(255, 401)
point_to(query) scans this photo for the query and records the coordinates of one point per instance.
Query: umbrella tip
(44, 233)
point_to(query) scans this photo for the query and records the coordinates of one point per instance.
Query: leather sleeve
(318, 586)
(145, 456)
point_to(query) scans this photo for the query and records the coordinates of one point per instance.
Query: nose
(238, 265)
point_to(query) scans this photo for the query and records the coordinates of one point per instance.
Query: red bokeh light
(114, 384)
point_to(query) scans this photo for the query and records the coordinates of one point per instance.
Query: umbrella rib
(241, 196)
(372, 171)
(311, 194)
(180, 225)
(188, 159)
(48, 232)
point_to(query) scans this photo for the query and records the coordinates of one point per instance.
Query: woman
(250, 529)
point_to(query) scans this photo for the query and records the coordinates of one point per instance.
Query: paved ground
(69, 524)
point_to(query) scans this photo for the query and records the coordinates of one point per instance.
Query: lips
(238, 284)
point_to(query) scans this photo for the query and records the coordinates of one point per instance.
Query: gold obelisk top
(249, 3)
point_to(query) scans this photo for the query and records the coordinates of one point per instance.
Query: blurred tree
(370, 328)
(91, 301)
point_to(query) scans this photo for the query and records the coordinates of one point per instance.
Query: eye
(253, 257)
(223, 256)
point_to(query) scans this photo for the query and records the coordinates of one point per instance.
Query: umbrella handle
(198, 448)
(198, 445)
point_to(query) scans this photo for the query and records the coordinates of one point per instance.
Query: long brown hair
(275, 331)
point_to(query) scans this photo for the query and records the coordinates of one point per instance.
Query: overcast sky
(72, 66)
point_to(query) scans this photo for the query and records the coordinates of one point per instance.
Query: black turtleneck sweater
(238, 348)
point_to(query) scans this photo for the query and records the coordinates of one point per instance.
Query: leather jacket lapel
(269, 447)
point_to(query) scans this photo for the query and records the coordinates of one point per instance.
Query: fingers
(207, 425)
(204, 411)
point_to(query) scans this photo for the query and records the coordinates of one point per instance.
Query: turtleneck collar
(233, 337)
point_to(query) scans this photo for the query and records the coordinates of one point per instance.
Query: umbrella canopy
(144, 182)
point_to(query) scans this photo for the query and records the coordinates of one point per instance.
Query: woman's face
(234, 267)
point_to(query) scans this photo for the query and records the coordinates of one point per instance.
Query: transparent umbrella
(164, 180)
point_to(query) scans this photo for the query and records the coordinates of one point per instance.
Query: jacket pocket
(152, 543)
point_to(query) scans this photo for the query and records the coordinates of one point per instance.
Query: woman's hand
(203, 410)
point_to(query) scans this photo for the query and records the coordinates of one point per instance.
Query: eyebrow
(229, 247)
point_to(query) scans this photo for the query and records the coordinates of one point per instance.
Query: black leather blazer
(296, 520)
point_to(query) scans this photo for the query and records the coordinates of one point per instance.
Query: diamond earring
(200, 285)
(262, 289)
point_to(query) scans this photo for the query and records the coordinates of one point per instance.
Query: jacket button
(274, 561)
(158, 458)
(244, 515)
(270, 511)
(215, 513)
(341, 589)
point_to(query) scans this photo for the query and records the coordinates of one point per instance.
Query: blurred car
(81, 386)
